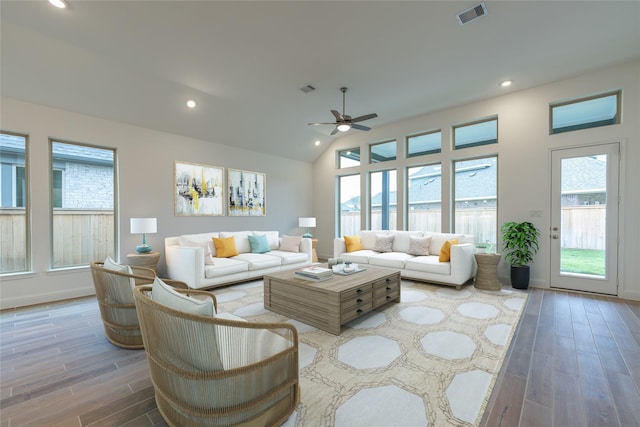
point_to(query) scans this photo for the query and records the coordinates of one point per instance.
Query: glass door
(584, 218)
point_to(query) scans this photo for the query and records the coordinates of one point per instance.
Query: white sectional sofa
(191, 258)
(408, 253)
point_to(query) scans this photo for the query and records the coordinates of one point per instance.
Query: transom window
(474, 134)
(596, 111)
(382, 152)
(424, 143)
(349, 158)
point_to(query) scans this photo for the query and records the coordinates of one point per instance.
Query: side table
(314, 255)
(149, 260)
(487, 275)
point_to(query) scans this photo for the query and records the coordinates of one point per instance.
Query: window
(383, 200)
(425, 143)
(349, 158)
(424, 198)
(476, 197)
(585, 113)
(83, 204)
(474, 134)
(350, 207)
(14, 204)
(382, 152)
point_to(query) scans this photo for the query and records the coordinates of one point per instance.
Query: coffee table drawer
(359, 292)
(353, 312)
(382, 299)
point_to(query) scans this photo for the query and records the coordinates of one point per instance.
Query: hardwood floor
(574, 360)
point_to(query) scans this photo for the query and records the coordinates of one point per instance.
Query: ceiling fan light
(343, 127)
(60, 4)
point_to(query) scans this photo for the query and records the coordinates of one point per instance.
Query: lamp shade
(306, 222)
(144, 225)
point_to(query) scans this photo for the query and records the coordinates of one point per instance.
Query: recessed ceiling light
(317, 142)
(61, 4)
(506, 83)
(191, 103)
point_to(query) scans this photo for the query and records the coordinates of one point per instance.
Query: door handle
(554, 236)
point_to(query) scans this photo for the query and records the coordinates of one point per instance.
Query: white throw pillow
(120, 288)
(290, 243)
(384, 243)
(419, 245)
(166, 295)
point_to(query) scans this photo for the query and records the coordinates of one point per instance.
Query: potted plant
(520, 245)
(481, 248)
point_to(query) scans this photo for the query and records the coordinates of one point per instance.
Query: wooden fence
(78, 238)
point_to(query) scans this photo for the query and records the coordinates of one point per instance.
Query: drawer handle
(388, 288)
(359, 291)
(359, 300)
(388, 279)
(388, 297)
(359, 311)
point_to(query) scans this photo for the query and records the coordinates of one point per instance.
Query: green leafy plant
(520, 242)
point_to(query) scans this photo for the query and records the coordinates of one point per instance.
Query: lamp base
(143, 248)
(308, 235)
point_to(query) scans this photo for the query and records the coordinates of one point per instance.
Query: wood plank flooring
(574, 360)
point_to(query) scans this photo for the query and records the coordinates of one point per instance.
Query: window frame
(340, 157)
(28, 265)
(422, 153)
(617, 118)
(371, 156)
(53, 167)
(472, 123)
(370, 196)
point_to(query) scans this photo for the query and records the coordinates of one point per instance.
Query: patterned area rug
(430, 360)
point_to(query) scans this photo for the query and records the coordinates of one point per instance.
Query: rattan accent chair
(117, 305)
(218, 371)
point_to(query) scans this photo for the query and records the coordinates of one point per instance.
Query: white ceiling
(244, 62)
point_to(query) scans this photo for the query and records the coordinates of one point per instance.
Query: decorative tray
(348, 273)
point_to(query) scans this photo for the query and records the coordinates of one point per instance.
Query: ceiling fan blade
(359, 127)
(317, 124)
(334, 131)
(365, 117)
(337, 115)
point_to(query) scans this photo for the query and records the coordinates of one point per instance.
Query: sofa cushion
(360, 257)
(445, 252)
(225, 267)
(428, 264)
(259, 261)
(225, 247)
(419, 245)
(438, 239)
(352, 243)
(273, 237)
(384, 243)
(241, 238)
(290, 243)
(402, 240)
(259, 243)
(390, 259)
(368, 238)
(289, 258)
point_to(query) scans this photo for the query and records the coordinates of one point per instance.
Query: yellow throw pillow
(353, 243)
(225, 247)
(445, 250)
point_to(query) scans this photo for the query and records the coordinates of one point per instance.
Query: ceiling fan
(345, 122)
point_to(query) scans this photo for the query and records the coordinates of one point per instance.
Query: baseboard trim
(44, 298)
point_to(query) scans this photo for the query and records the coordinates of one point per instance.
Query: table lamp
(306, 223)
(144, 226)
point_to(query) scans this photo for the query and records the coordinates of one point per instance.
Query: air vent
(307, 89)
(472, 13)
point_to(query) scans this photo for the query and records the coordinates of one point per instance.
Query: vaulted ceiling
(244, 62)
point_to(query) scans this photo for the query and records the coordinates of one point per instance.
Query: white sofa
(457, 271)
(191, 258)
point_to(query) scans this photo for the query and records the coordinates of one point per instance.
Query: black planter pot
(520, 276)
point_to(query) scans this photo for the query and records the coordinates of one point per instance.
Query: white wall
(146, 168)
(523, 161)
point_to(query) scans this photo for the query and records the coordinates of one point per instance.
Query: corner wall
(146, 175)
(523, 161)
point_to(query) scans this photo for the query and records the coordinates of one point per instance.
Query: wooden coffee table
(329, 304)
